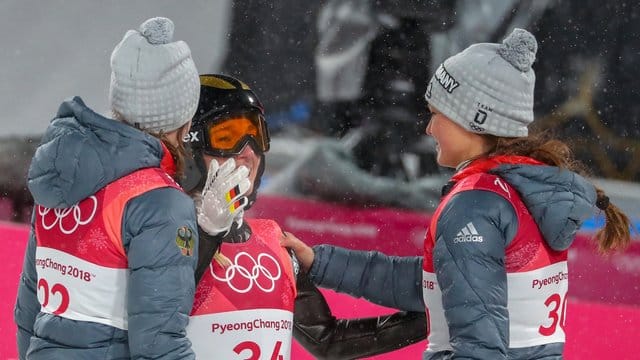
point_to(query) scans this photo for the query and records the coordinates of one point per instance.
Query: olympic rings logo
(61, 214)
(250, 274)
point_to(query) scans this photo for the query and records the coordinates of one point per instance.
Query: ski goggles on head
(228, 135)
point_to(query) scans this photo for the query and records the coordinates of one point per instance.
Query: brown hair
(178, 153)
(616, 234)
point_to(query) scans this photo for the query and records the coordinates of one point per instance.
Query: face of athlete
(454, 144)
(247, 157)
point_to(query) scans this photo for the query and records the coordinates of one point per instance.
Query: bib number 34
(252, 349)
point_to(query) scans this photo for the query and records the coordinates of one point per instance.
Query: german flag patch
(232, 194)
(185, 241)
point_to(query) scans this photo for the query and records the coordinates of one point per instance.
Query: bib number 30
(557, 306)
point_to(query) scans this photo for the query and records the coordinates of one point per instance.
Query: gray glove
(223, 197)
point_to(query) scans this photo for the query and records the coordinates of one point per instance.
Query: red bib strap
(92, 229)
(119, 192)
(478, 181)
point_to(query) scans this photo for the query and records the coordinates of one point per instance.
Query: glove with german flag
(223, 197)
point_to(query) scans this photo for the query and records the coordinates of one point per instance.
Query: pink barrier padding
(11, 255)
(613, 279)
(602, 331)
(389, 230)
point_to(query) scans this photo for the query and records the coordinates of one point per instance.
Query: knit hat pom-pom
(519, 49)
(158, 30)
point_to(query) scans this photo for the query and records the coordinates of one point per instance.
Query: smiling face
(454, 144)
(247, 157)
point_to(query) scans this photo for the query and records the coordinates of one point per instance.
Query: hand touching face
(247, 158)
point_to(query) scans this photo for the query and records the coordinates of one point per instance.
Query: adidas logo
(468, 234)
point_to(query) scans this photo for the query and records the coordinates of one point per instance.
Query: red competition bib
(81, 263)
(245, 311)
(537, 276)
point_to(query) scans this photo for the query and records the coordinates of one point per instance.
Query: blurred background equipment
(354, 71)
(271, 45)
(372, 66)
(343, 83)
(15, 156)
(587, 88)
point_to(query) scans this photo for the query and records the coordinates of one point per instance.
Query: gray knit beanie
(488, 88)
(154, 82)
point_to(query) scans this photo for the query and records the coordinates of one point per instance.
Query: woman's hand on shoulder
(303, 252)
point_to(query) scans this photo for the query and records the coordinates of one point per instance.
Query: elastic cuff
(315, 273)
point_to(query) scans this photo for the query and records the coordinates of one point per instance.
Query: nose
(427, 130)
(246, 152)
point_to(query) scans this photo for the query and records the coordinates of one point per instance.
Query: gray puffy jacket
(558, 201)
(81, 152)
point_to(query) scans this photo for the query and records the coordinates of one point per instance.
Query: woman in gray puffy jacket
(108, 270)
(494, 277)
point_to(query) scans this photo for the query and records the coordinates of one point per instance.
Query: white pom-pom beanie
(154, 82)
(488, 88)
